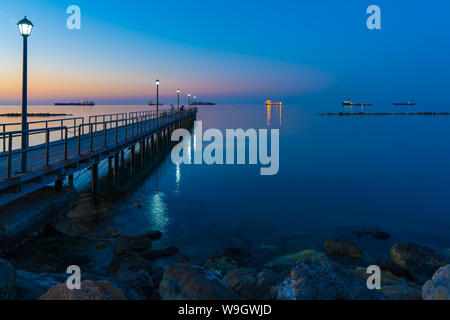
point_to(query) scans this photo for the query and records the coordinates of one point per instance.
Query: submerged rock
(90, 290)
(341, 248)
(379, 234)
(291, 260)
(7, 279)
(156, 254)
(420, 262)
(190, 282)
(438, 288)
(323, 279)
(112, 232)
(129, 261)
(138, 243)
(252, 285)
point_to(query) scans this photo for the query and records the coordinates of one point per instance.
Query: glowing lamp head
(25, 27)
(189, 95)
(178, 90)
(157, 82)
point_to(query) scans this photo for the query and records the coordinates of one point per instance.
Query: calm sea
(337, 174)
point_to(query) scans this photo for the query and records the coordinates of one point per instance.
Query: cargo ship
(81, 103)
(349, 103)
(152, 103)
(409, 103)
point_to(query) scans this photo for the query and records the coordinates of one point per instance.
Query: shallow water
(336, 175)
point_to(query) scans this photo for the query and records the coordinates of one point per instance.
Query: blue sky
(229, 51)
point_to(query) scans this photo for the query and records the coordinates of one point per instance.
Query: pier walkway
(58, 148)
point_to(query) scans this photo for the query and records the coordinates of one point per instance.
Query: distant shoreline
(385, 114)
(36, 114)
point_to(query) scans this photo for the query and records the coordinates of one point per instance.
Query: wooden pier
(64, 146)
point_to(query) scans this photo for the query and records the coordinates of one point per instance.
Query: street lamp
(157, 101)
(195, 100)
(25, 27)
(178, 92)
(189, 100)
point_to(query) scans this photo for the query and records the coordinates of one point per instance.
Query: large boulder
(341, 248)
(252, 285)
(7, 279)
(189, 282)
(90, 290)
(438, 288)
(392, 286)
(420, 262)
(323, 279)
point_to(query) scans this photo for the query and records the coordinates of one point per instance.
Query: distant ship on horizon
(270, 103)
(409, 103)
(81, 103)
(200, 103)
(152, 103)
(349, 103)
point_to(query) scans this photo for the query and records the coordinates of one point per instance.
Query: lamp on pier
(25, 27)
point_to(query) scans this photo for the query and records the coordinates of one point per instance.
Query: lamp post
(189, 100)
(25, 27)
(157, 102)
(195, 100)
(178, 93)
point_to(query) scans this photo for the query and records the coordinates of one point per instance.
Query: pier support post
(116, 166)
(59, 185)
(71, 180)
(94, 178)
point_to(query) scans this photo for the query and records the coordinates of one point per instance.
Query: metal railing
(70, 123)
(99, 134)
(47, 145)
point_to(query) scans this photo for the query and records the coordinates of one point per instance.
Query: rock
(292, 259)
(137, 205)
(70, 228)
(393, 268)
(184, 259)
(379, 234)
(189, 282)
(101, 245)
(90, 290)
(220, 264)
(323, 279)
(420, 262)
(139, 243)
(155, 254)
(341, 248)
(402, 291)
(438, 288)
(30, 286)
(140, 281)
(154, 234)
(7, 279)
(129, 261)
(112, 232)
(387, 278)
(252, 285)
(395, 288)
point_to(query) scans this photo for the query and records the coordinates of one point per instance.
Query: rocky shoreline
(413, 272)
